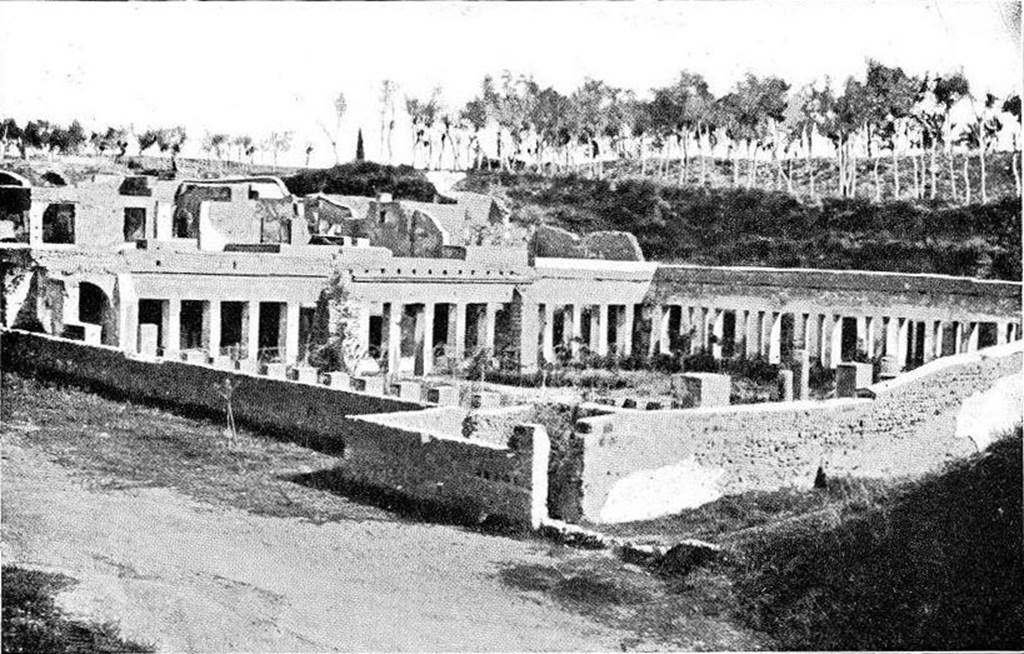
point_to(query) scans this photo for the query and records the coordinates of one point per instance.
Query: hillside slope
(733, 226)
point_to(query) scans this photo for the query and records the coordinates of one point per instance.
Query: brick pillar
(213, 310)
(395, 337)
(291, 342)
(490, 309)
(577, 329)
(459, 345)
(626, 333)
(427, 365)
(252, 329)
(602, 329)
(529, 326)
(548, 335)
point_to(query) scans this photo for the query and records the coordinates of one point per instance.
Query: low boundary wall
(631, 459)
(506, 481)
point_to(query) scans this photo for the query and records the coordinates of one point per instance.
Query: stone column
(172, 338)
(766, 334)
(428, 338)
(528, 336)
(252, 320)
(602, 329)
(577, 329)
(459, 315)
(395, 337)
(490, 311)
(127, 306)
(548, 334)
(799, 331)
(828, 328)
(929, 340)
(718, 332)
(657, 314)
(213, 312)
(903, 335)
(753, 340)
(1001, 333)
(802, 373)
(973, 335)
(71, 302)
(774, 337)
(626, 332)
(940, 337)
(664, 338)
(165, 325)
(291, 342)
(892, 336)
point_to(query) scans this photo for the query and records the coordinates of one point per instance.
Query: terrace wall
(633, 459)
(508, 481)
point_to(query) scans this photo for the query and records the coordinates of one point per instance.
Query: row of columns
(210, 341)
(759, 333)
(424, 329)
(573, 338)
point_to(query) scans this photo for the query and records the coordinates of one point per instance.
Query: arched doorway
(95, 307)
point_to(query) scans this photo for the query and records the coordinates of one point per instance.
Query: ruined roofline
(23, 181)
(881, 274)
(238, 180)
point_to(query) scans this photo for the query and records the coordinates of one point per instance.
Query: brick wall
(499, 480)
(907, 429)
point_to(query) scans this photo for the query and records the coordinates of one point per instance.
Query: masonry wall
(908, 429)
(467, 474)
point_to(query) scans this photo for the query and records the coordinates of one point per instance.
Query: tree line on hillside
(683, 126)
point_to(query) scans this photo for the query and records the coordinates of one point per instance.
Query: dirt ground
(186, 577)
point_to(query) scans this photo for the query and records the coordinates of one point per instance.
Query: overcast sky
(255, 67)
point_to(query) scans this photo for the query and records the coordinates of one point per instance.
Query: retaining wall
(633, 459)
(507, 481)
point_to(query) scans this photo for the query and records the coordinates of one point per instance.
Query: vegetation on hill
(364, 178)
(738, 226)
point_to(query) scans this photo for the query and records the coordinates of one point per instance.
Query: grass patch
(33, 623)
(120, 443)
(934, 564)
(685, 615)
(728, 516)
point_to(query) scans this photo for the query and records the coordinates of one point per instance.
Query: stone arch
(94, 306)
(10, 178)
(54, 179)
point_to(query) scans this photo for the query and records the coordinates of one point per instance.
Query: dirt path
(187, 576)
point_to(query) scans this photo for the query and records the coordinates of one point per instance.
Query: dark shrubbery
(364, 178)
(730, 226)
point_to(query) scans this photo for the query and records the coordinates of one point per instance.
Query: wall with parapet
(507, 481)
(638, 464)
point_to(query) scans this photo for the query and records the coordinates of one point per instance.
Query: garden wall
(471, 475)
(638, 464)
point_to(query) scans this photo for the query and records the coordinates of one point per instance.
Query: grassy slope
(735, 226)
(33, 623)
(933, 563)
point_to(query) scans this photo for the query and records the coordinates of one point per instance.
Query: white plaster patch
(987, 415)
(662, 491)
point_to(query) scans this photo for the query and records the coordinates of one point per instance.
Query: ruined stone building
(232, 270)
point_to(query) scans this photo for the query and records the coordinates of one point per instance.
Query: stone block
(365, 368)
(890, 367)
(407, 390)
(223, 363)
(653, 405)
(92, 334)
(305, 374)
(251, 366)
(629, 403)
(486, 400)
(697, 389)
(785, 385)
(850, 376)
(277, 370)
(801, 366)
(443, 395)
(371, 385)
(338, 379)
(196, 356)
(148, 339)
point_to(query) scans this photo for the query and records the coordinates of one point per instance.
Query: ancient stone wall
(470, 475)
(909, 428)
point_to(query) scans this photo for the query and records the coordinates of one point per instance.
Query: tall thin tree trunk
(952, 174)
(967, 180)
(683, 138)
(878, 180)
(895, 173)
(935, 172)
(1014, 156)
(984, 180)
